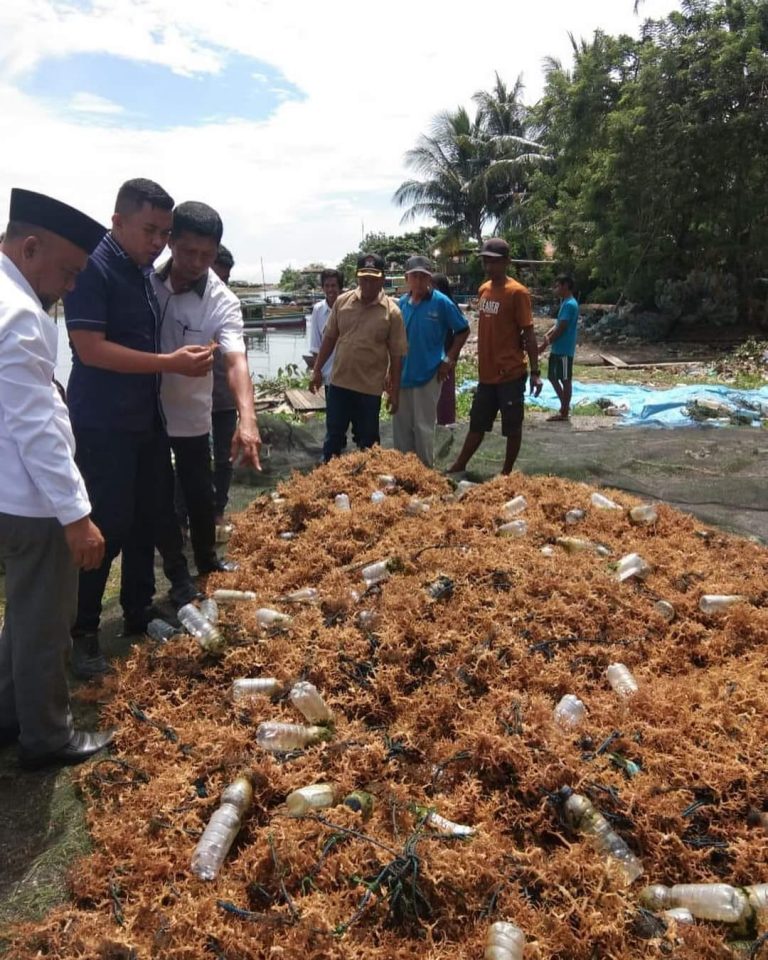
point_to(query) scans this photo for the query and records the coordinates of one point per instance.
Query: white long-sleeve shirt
(317, 324)
(38, 474)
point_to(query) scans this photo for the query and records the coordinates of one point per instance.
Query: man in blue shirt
(113, 320)
(562, 338)
(429, 317)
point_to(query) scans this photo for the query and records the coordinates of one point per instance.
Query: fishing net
(443, 700)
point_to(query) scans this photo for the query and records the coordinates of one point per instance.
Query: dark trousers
(121, 471)
(223, 426)
(193, 472)
(344, 407)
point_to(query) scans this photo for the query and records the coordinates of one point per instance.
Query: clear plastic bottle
(603, 503)
(302, 595)
(548, 551)
(706, 901)
(361, 802)
(287, 535)
(644, 513)
(719, 602)
(266, 617)
(160, 631)
(570, 712)
(342, 502)
(386, 479)
(574, 544)
(233, 596)
(631, 565)
(223, 532)
(210, 610)
(679, 915)
(376, 572)
(758, 897)
(305, 697)
(378, 496)
(574, 516)
(504, 941)
(665, 609)
(581, 815)
(244, 688)
(367, 619)
(416, 507)
(318, 796)
(514, 507)
(514, 528)
(201, 629)
(621, 680)
(281, 737)
(462, 489)
(222, 828)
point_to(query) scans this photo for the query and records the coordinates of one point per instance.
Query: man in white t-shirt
(197, 308)
(332, 282)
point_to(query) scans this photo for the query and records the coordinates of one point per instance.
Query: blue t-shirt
(565, 345)
(427, 324)
(113, 296)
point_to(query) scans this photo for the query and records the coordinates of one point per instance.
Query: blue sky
(99, 87)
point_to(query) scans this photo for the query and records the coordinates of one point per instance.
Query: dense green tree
(394, 249)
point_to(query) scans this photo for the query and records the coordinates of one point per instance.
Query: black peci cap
(38, 210)
(371, 265)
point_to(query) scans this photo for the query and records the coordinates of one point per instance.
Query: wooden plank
(305, 400)
(656, 363)
(609, 358)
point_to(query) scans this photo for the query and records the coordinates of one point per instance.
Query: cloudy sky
(291, 117)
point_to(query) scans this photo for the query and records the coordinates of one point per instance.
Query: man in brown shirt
(504, 335)
(367, 331)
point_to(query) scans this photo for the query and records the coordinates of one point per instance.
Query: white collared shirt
(38, 474)
(317, 324)
(195, 317)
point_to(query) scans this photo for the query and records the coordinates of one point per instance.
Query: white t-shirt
(317, 324)
(38, 475)
(209, 312)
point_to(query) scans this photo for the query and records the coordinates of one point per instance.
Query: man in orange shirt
(504, 335)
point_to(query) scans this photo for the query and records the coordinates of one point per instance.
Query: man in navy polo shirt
(113, 324)
(429, 317)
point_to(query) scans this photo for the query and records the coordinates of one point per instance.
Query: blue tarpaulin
(644, 406)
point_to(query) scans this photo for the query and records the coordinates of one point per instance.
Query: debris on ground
(441, 676)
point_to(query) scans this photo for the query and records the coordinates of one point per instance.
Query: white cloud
(298, 186)
(92, 103)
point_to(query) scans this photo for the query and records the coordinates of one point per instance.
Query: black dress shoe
(82, 745)
(86, 660)
(185, 592)
(9, 734)
(219, 566)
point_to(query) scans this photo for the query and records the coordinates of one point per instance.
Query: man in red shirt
(504, 335)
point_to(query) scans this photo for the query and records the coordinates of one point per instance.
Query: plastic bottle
(603, 503)
(758, 897)
(665, 609)
(223, 532)
(515, 528)
(386, 479)
(574, 516)
(361, 802)
(621, 680)
(581, 815)
(644, 513)
(706, 901)
(222, 828)
(376, 572)
(342, 502)
(442, 825)
(367, 619)
(514, 506)
(287, 535)
(281, 737)
(570, 712)
(416, 507)
(246, 687)
(718, 602)
(201, 629)
(631, 565)
(548, 551)
(266, 617)
(233, 596)
(318, 796)
(378, 496)
(462, 489)
(210, 610)
(305, 697)
(679, 915)
(302, 595)
(504, 941)
(160, 631)
(574, 544)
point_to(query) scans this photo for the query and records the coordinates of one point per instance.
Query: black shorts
(490, 398)
(560, 367)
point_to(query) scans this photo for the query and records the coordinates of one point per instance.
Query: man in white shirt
(196, 308)
(332, 282)
(46, 533)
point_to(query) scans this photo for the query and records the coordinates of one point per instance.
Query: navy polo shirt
(113, 296)
(427, 323)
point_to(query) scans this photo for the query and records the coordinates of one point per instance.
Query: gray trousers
(41, 602)
(413, 426)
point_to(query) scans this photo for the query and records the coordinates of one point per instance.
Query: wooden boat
(263, 316)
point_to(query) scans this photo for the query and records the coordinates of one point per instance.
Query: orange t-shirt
(505, 311)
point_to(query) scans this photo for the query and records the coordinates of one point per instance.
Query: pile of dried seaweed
(442, 702)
